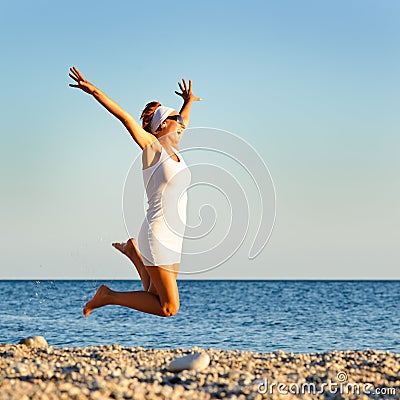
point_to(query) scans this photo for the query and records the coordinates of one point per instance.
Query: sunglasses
(177, 118)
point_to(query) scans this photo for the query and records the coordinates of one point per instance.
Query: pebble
(34, 341)
(116, 372)
(196, 361)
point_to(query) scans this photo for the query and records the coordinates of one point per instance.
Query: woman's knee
(170, 308)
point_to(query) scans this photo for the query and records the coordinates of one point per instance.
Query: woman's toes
(119, 246)
(86, 311)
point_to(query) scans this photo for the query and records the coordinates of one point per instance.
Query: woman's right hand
(83, 83)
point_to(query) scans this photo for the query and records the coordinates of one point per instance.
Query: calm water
(263, 316)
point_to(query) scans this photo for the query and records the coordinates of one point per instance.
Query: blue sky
(313, 86)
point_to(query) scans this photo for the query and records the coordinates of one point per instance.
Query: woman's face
(172, 128)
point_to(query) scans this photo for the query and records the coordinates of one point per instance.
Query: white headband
(159, 116)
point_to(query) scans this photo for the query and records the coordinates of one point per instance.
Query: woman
(166, 178)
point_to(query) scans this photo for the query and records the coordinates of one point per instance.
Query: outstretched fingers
(74, 77)
(77, 73)
(73, 73)
(186, 91)
(184, 84)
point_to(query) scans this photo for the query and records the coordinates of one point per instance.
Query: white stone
(34, 341)
(196, 361)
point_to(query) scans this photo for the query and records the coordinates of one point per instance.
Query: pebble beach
(116, 372)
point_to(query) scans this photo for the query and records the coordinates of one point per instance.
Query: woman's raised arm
(188, 99)
(139, 135)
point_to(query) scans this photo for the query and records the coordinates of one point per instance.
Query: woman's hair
(147, 114)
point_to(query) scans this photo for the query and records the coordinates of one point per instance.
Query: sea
(260, 316)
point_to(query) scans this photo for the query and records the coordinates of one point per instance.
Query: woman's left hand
(186, 93)
(82, 83)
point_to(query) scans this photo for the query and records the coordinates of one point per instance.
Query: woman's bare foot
(100, 299)
(131, 250)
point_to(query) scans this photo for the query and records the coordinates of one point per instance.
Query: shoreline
(120, 372)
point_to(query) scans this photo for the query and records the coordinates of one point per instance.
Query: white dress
(161, 234)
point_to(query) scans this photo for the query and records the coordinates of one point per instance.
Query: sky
(312, 87)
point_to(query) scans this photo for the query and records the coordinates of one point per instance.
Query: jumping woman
(157, 253)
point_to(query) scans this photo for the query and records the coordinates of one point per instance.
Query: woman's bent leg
(152, 288)
(164, 280)
(138, 300)
(165, 304)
